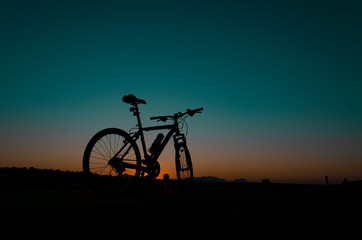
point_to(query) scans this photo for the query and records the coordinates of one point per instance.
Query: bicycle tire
(109, 180)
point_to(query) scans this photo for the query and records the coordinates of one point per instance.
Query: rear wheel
(112, 162)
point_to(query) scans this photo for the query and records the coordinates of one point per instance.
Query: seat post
(137, 113)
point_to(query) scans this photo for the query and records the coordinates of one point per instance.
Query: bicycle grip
(192, 112)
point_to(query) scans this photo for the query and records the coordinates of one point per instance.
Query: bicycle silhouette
(112, 160)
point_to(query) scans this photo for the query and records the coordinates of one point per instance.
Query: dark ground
(64, 208)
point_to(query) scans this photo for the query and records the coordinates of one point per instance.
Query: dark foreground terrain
(62, 207)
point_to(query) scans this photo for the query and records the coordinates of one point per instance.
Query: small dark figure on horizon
(265, 181)
(166, 177)
(345, 181)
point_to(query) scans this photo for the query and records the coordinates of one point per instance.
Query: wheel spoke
(97, 163)
(114, 145)
(101, 145)
(110, 146)
(104, 157)
(98, 167)
(106, 147)
(117, 143)
(101, 169)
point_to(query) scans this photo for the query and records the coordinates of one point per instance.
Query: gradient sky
(280, 82)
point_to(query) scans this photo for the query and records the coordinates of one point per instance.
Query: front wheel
(112, 162)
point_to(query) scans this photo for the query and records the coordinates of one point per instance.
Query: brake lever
(189, 112)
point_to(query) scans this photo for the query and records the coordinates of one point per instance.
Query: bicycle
(112, 160)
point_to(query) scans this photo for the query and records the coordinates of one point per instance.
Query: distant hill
(37, 172)
(209, 179)
(216, 179)
(240, 180)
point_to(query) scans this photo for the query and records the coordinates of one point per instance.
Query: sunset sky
(280, 82)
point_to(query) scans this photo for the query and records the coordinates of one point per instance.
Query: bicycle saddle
(131, 99)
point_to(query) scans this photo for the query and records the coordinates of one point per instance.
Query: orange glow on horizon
(251, 166)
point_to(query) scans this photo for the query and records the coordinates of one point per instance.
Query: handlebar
(177, 115)
(192, 112)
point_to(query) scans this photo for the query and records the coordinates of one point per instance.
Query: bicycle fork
(179, 139)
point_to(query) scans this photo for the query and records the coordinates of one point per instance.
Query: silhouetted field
(45, 206)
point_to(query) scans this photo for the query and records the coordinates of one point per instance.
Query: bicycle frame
(173, 130)
(149, 159)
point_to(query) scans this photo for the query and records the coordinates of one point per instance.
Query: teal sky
(280, 82)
